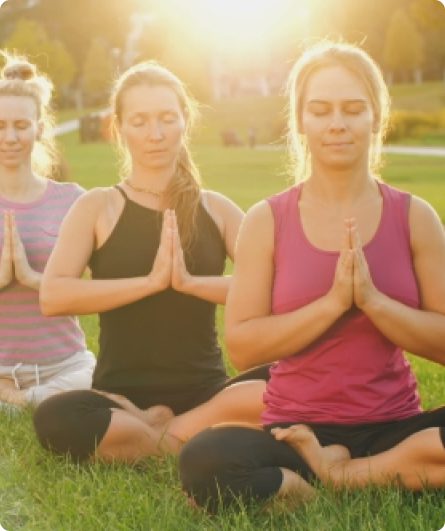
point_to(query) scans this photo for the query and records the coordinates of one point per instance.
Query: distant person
(156, 244)
(230, 138)
(39, 356)
(251, 137)
(334, 279)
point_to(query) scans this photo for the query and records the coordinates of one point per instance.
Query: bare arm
(64, 292)
(211, 288)
(420, 331)
(255, 336)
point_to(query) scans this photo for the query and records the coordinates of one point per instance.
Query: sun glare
(236, 27)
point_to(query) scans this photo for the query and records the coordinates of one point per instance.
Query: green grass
(428, 96)
(41, 492)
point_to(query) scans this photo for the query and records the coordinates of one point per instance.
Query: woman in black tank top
(156, 245)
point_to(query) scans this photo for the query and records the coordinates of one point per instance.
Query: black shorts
(75, 422)
(221, 465)
(373, 438)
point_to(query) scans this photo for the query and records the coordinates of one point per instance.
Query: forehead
(334, 83)
(149, 99)
(17, 108)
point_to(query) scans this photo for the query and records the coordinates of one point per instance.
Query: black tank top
(166, 342)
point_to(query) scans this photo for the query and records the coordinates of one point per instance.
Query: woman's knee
(222, 466)
(201, 463)
(72, 423)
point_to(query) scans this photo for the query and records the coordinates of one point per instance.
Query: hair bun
(19, 70)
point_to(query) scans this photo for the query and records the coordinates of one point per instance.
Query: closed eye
(22, 124)
(169, 117)
(319, 109)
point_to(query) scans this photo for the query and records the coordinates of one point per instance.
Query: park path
(66, 127)
(425, 151)
(416, 150)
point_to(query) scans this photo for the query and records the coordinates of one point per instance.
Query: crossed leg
(415, 463)
(134, 434)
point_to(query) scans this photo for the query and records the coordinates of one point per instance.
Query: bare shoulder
(96, 200)
(218, 203)
(260, 214)
(425, 224)
(226, 214)
(258, 225)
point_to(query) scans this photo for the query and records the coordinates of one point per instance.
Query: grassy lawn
(428, 96)
(41, 492)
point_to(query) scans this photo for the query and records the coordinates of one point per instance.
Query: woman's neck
(341, 187)
(20, 185)
(157, 179)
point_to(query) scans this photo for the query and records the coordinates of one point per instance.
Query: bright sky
(242, 26)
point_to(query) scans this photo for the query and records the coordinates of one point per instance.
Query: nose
(155, 131)
(337, 122)
(10, 135)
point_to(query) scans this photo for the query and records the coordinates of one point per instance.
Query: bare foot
(158, 415)
(160, 418)
(322, 460)
(10, 394)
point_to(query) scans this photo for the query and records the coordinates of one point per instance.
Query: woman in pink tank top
(39, 357)
(334, 279)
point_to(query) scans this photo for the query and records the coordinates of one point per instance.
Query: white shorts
(43, 381)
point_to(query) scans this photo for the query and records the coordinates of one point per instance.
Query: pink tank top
(27, 336)
(352, 374)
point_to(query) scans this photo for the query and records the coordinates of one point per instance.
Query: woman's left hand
(22, 270)
(181, 278)
(365, 291)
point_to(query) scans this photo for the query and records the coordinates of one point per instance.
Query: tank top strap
(124, 195)
(397, 208)
(284, 207)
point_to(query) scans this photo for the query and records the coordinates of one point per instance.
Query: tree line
(81, 44)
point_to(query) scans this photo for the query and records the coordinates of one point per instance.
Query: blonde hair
(357, 61)
(19, 77)
(183, 192)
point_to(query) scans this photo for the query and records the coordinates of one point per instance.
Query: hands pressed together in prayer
(13, 260)
(352, 282)
(169, 269)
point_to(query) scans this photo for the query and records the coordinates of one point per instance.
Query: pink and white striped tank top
(26, 335)
(352, 374)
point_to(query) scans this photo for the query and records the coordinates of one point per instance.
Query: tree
(77, 23)
(98, 71)
(403, 50)
(30, 38)
(430, 18)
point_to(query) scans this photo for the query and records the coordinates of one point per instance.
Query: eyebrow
(148, 113)
(325, 102)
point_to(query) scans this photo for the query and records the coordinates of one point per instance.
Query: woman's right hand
(342, 290)
(6, 270)
(161, 273)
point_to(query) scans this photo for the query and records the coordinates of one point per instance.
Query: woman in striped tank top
(39, 356)
(334, 279)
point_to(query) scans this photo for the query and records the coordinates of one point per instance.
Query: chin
(10, 164)
(157, 165)
(341, 163)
